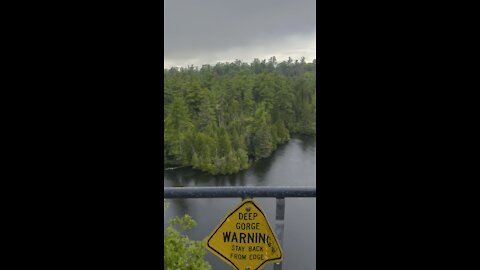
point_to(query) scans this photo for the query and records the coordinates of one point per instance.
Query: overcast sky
(209, 31)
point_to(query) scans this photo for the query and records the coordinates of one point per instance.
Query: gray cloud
(207, 31)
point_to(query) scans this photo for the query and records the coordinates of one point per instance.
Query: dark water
(293, 164)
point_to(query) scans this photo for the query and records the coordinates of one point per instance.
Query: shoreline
(250, 164)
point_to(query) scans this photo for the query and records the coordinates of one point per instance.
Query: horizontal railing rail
(238, 192)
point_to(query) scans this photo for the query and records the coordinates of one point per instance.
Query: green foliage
(221, 118)
(181, 253)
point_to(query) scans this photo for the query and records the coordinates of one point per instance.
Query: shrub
(180, 252)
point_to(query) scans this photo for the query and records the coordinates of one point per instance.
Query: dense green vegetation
(180, 252)
(221, 118)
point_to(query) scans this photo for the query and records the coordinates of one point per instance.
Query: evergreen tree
(219, 118)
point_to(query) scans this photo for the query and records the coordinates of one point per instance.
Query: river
(292, 164)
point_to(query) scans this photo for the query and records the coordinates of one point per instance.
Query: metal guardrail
(280, 193)
(238, 192)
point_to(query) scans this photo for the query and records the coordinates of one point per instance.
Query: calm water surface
(293, 164)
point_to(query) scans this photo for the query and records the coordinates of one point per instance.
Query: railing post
(279, 226)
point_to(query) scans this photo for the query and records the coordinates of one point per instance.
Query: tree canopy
(221, 118)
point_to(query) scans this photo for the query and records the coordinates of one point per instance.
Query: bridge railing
(280, 193)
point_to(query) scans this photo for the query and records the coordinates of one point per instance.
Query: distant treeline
(221, 118)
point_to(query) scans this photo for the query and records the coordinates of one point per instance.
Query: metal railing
(280, 193)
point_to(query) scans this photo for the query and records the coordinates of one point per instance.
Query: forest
(221, 118)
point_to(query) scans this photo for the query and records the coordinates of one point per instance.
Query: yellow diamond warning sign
(244, 239)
